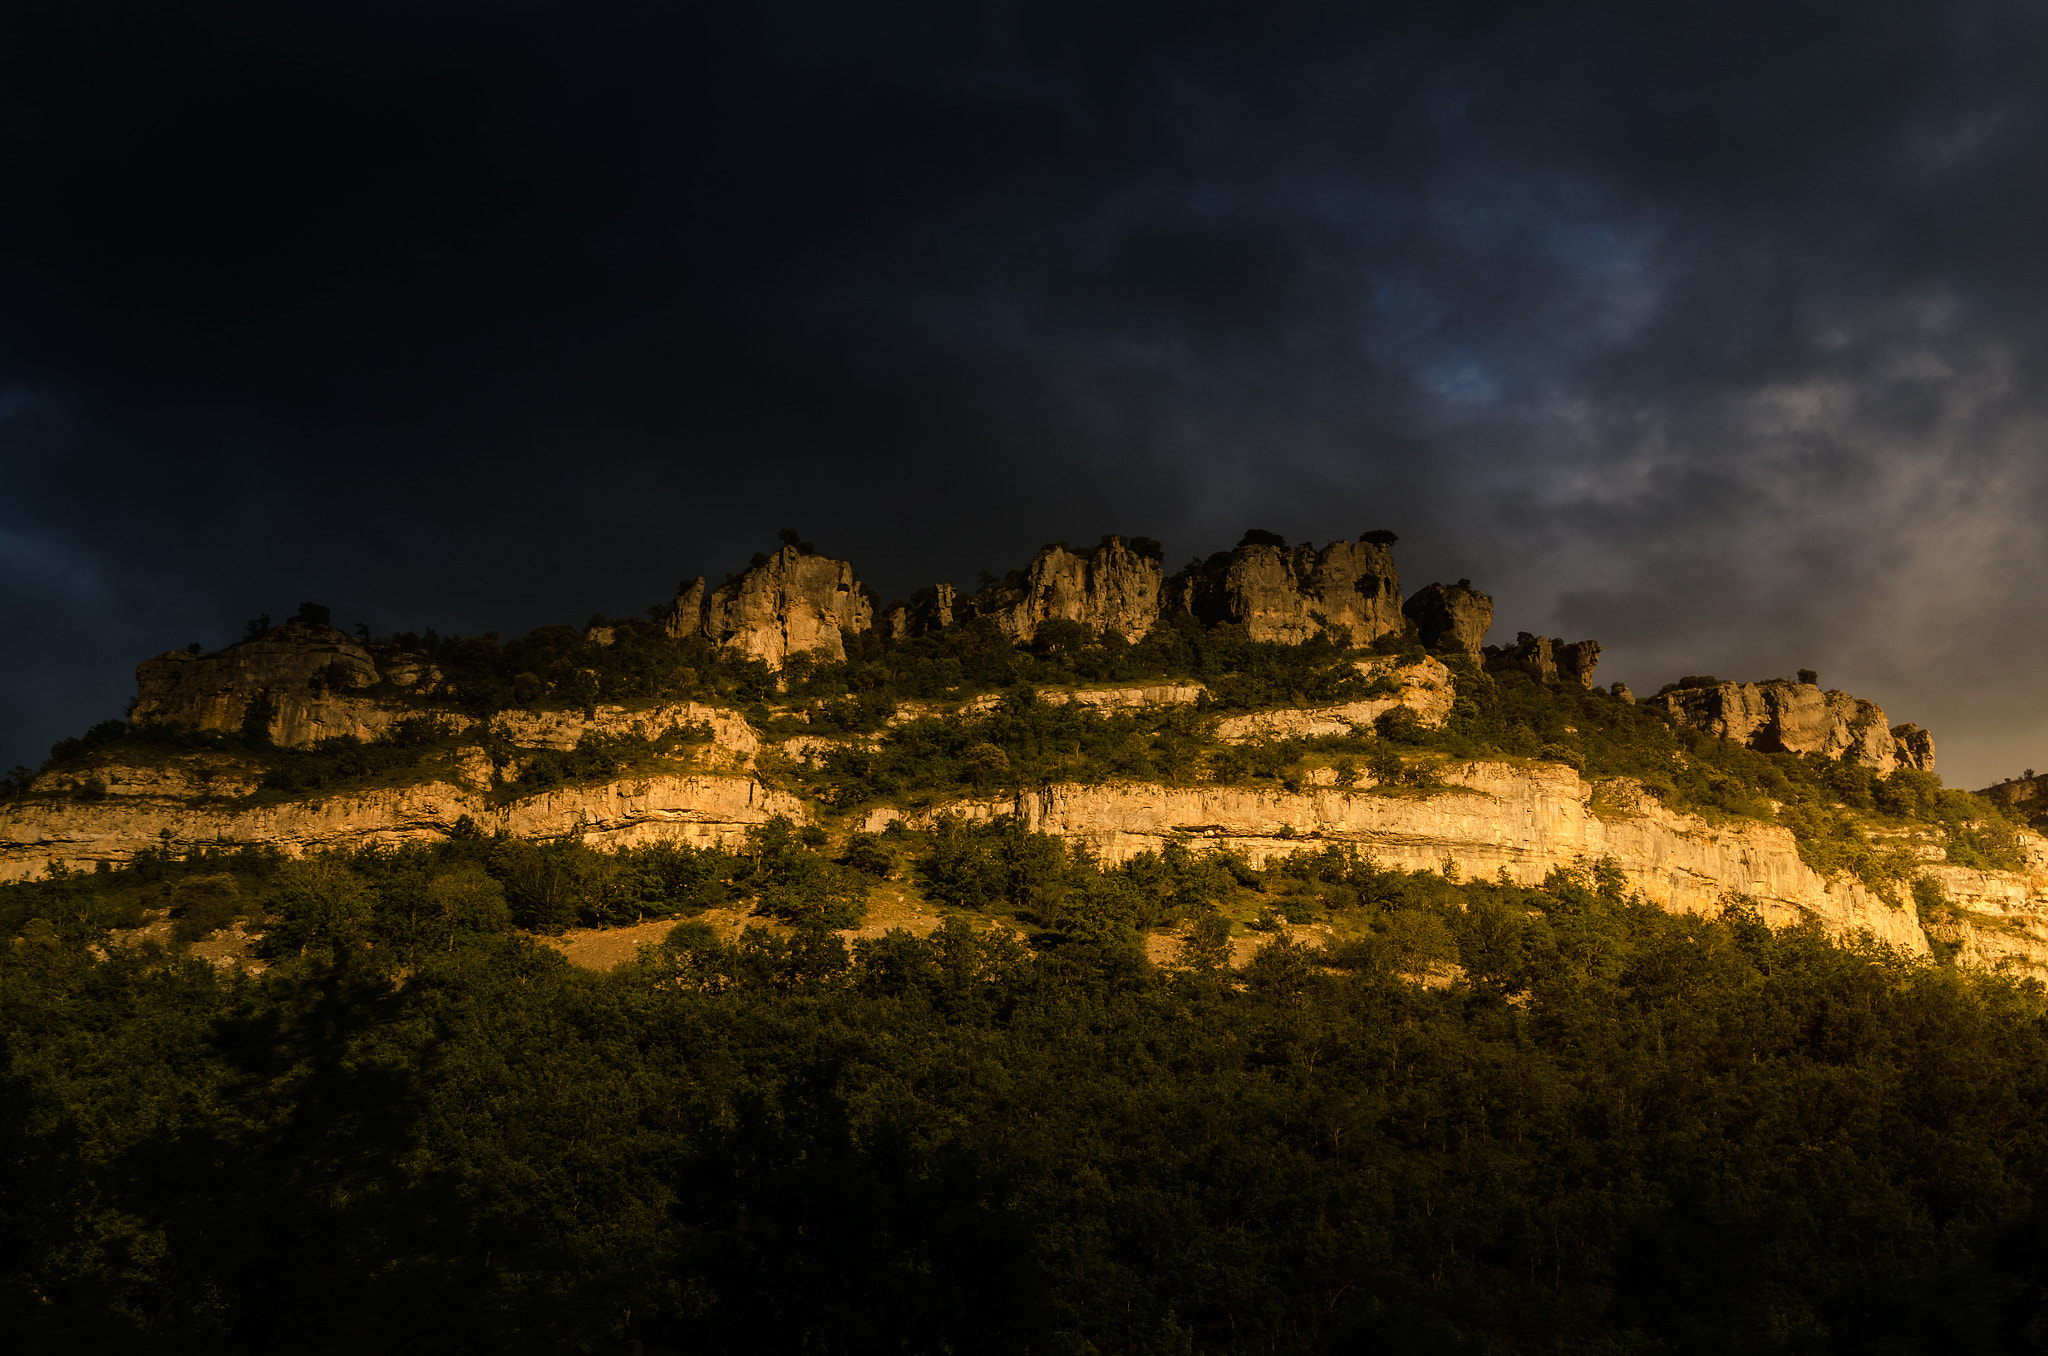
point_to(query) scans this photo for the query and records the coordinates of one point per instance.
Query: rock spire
(1451, 616)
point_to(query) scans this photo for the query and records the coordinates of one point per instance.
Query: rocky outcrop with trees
(1451, 616)
(1289, 594)
(1783, 716)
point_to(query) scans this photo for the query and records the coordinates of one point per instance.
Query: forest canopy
(1499, 1119)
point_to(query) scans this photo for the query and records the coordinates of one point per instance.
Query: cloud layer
(1714, 334)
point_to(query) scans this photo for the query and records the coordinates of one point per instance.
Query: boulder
(1451, 616)
(1289, 594)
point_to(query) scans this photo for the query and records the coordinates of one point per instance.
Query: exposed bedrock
(1781, 716)
(307, 673)
(697, 809)
(1549, 658)
(1112, 586)
(1528, 820)
(1451, 616)
(1289, 594)
(788, 603)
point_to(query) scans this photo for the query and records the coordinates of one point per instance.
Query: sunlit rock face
(306, 672)
(1781, 716)
(791, 602)
(1289, 594)
(1450, 616)
(1114, 586)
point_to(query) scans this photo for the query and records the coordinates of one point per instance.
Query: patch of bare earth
(230, 948)
(889, 907)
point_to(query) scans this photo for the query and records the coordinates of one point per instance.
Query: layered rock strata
(1522, 820)
(790, 603)
(700, 810)
(1289, 594)
(1780, 716)
(1424, 687)
(1451, 617)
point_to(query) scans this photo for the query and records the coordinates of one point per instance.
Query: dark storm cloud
(1714, 332)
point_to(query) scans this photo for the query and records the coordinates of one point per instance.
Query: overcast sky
(1713, 331)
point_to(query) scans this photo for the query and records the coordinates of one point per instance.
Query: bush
(203, 905)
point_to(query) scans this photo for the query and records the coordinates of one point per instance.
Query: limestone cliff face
(1115, 586)
(792, 602)
(309, 674)
(1549, 658)
(1786, 717)
(1524, 820)
(697, 809)
(1423, 686)
(1276, 593)
(1451, 616)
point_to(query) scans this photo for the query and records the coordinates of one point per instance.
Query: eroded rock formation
(791, 602)
(929, 609)
(1451, 616)
(1423, 686)
(1113, 586)
(307, 674)
(1279, 593)
(1780, 716)
(2029, 795)
(1549, 658)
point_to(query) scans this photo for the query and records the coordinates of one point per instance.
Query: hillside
(1238, 960)
(1091, 697)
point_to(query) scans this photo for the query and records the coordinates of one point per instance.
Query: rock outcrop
(2028, 795)
(1422, 685)
(789, 603)
(701, 810)
(1289, 594)
(307, 674)
(1451, 617)
(1549, 658)
(1780, 716)
(930, 609)
(1113, 586)
(1915, 746)
(1494, 817)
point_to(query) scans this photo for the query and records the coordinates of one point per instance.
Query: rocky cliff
(1451, 617)
(1113, 586)
(308, 678)
(1522, 818)
(1781, 716)
(1527, 820)
(695, 809)
(788, 603)
(1420, 685)
(1549, 658)
(1289, 594)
